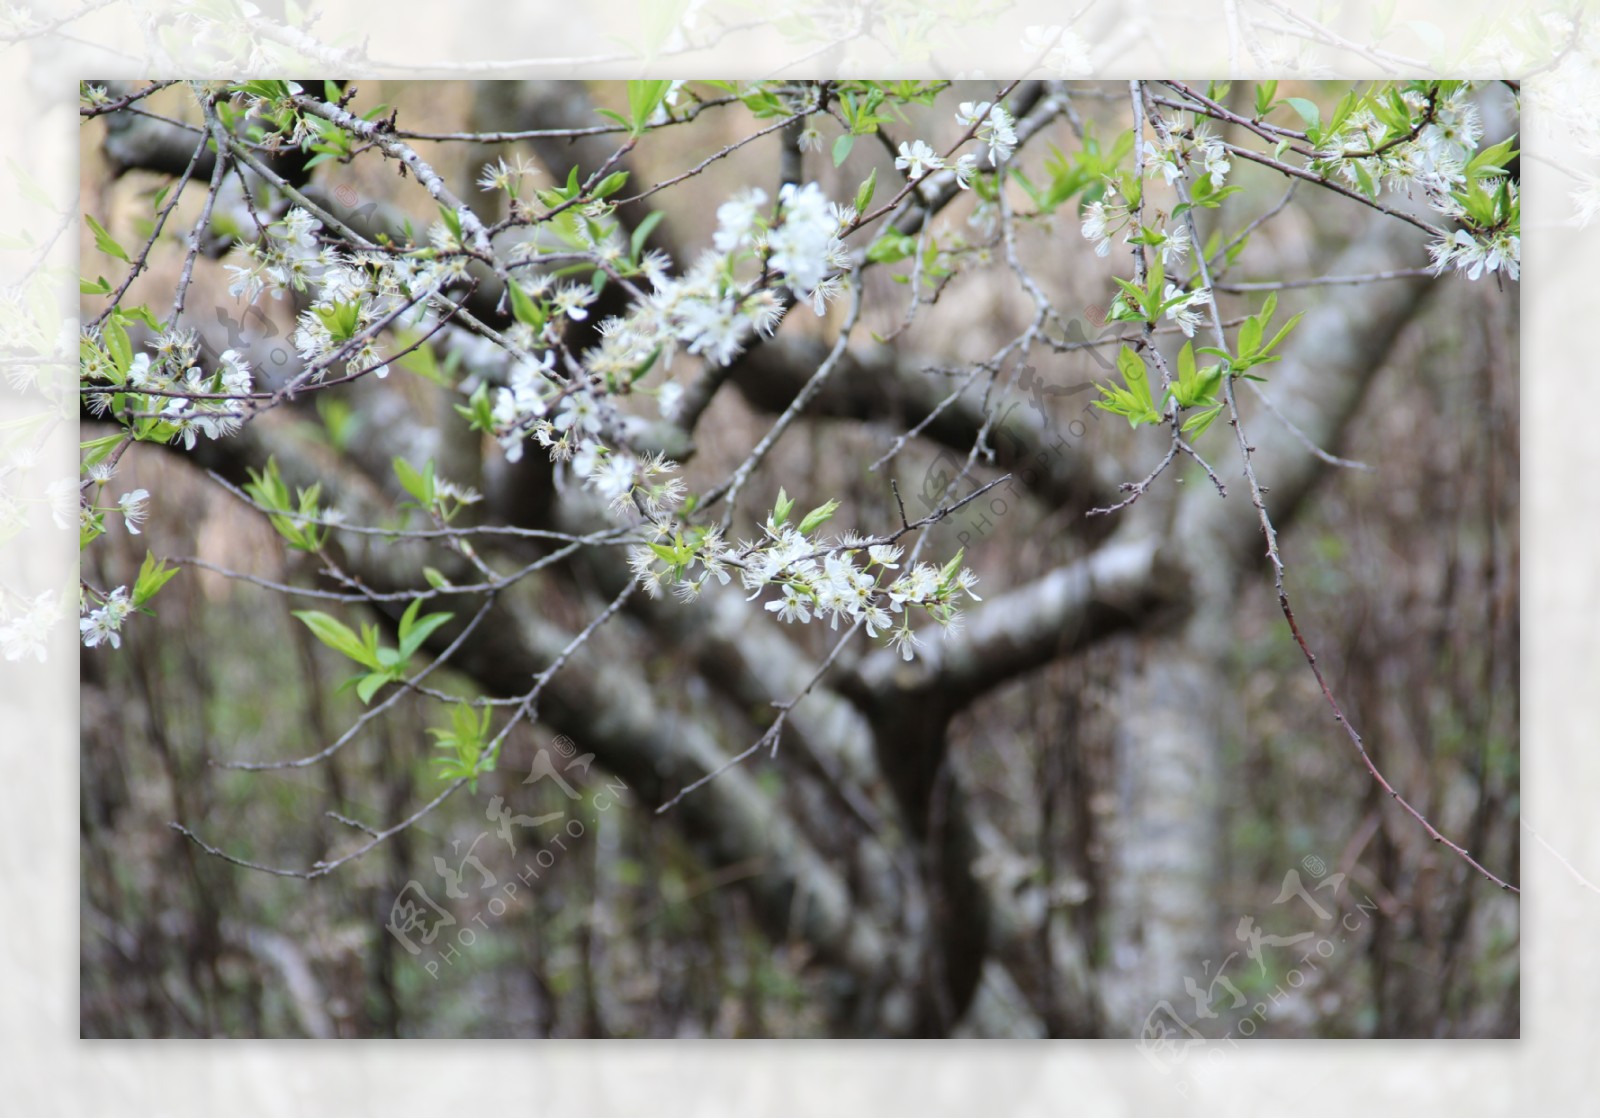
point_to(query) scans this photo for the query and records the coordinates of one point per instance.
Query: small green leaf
(953, 566)
(417, 483)
(1133, 371)
(781, 508)
(1279, 337)
(104, 241)
(1265, 93)
(153, 575)
(818, 517)
(419, 633)
(524, 308)
(337, 636)
(644, 98)
(641, 232)
(1309, 113)
(1196, 424)
(841, 148)
(891, 248)
(865, 191)
(611, 184)
(369, 685)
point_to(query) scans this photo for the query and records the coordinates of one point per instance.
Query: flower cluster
(354, 293)
(711, 311)
(168, 390)
(1369, 150)
(1107, 216)
(1498, 250)
(846, 578)
(104, 622)
(805, 246)
(1424, 141)
(994, 128)
(1179, 144)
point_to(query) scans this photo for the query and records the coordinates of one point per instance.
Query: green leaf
(818, 517)
(419, 359)
(781, 508)
(421, 631)
(452, 221)
(1133, 371)
(949, 569)
(408, 619)
(865, 191)
(611, 184)
(104, 241)
(117, 344)
(1249, 336)
(338, 637)
(644, 98)
(524, 308)
(892, 247)
(641, 232)
(841, 148)
(417, 483)
(1196, 424)
(95, 450)
(435, 578)
(341, 319)
(1279, 337)
(1265, 93)
(1492, 160)
(153, 575)
(478, 411)
(369, 685)
(1309, 113)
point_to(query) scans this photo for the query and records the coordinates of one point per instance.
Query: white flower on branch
(104, 622)
(135, 507)
(736, 220)
(917, 159)
(1186, 314)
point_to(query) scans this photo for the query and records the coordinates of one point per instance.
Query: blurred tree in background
(667, 559)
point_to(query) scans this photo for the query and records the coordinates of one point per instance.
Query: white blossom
(1186, 313)
(917, 159)
(135, 507)
(736, 219)
(104, 622)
